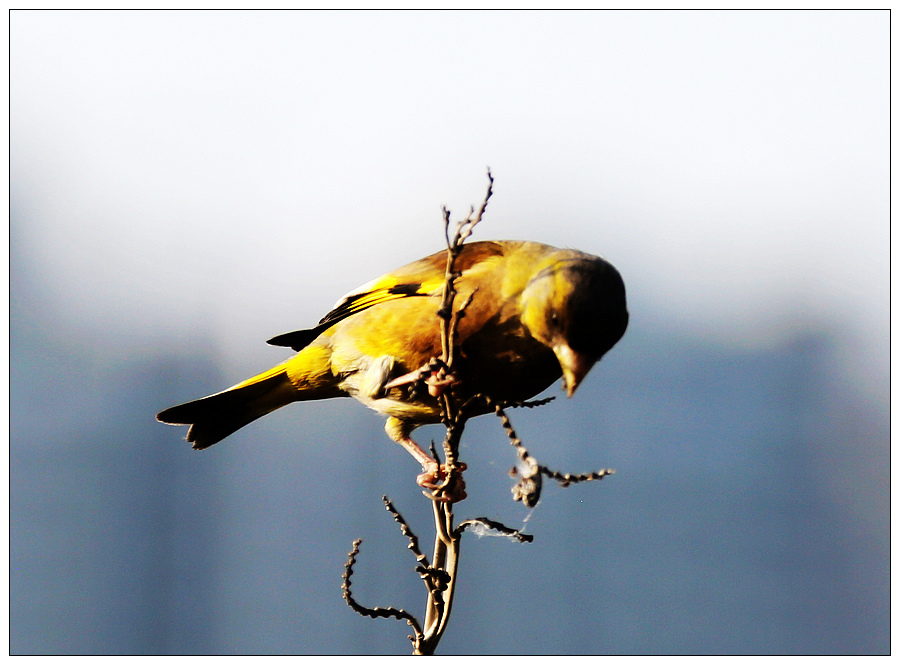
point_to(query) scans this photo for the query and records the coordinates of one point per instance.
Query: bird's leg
(434, 475)
(435, 374)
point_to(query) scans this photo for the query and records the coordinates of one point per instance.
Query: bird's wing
(424, 277)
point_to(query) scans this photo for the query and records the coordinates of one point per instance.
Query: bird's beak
(575, 366)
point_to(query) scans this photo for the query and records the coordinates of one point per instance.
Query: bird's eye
(554, 319)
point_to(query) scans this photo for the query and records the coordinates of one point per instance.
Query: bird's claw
(443, 484)
(438, 382)
(436, 375)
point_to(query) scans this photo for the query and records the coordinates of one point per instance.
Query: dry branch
(440, 575)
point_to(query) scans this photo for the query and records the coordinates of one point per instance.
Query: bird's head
(575, 305)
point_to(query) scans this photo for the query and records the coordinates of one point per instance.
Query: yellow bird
(537, 313)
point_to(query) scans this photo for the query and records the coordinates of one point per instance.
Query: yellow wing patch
(375, 293)
(424, 277)
(382, 290)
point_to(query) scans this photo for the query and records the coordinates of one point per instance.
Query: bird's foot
(438, 382)
(444, 486)
(435, 375)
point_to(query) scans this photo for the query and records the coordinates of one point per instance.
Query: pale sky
(233, 174)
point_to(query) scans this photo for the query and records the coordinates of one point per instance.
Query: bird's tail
(215, 417)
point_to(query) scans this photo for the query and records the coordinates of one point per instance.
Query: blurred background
(184, 186)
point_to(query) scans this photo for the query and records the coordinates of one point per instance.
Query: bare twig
(454, 248)
(566, 479)
(483, 524)
(374, 612)
(530, 404)
(447, 539)
(440, 575)
(406, 531)
(528, 489)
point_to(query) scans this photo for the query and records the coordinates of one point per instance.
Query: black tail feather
(217, 416)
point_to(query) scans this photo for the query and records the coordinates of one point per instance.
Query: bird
(534, 314)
